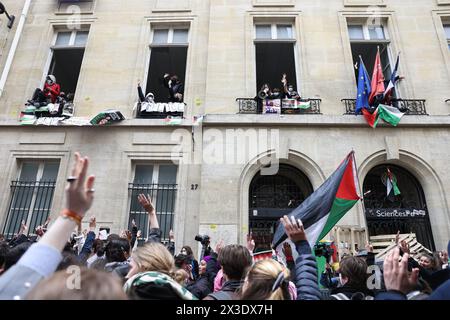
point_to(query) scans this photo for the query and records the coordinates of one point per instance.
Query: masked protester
(48, 95)
(149, 98)
(175, 86)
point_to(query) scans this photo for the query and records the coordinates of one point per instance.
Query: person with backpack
(353, 280)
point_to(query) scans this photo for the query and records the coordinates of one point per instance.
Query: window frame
(53, 47)
(151, 45)
(34, 197)
(274, 32)
(366, 32)
(367, 40)
(71, 44)
(274, 23)
(446, 24)
(155, 179)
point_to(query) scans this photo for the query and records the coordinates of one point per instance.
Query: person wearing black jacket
(175, 86)
(207, 272)
(149, 98)
(353, 277)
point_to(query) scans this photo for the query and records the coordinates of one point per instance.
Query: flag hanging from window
(377, 79)
(364, 88)
(392, 83)
(392, 189)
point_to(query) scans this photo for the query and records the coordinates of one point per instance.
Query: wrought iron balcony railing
(409, 106)
(312, 106)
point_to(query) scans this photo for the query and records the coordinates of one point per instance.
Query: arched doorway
(271, 197)
(406, 211)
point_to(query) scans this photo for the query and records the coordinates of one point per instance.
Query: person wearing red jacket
(48, 95)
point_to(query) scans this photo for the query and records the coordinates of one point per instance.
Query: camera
(203, 239)
(323, 250)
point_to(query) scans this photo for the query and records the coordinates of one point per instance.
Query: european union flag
(364, 88)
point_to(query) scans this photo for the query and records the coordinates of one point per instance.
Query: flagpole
(362, 199)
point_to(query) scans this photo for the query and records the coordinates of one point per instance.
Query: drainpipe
(14, 46)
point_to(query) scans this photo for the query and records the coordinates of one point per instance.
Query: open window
(168, 55)
(275, 54)
(447, 33)
(365, 39)
(67, 57)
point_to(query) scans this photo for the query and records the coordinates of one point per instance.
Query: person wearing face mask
(289, 92)
(175, 86)
(48, 95)
(149, 98)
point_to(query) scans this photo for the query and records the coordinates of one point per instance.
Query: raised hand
(80, 189)
(219, 246)
(45, 225)
(146, 203)
(294, 228)
(92, 223)
(133, 223)
(23, 227)
(404, 246)
(369, 247)
(396, 275)
(171, 236)
(250, 242)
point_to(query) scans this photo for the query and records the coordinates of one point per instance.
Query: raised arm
(140, 93)
(42, 259)
(155, 232)
(306, 279)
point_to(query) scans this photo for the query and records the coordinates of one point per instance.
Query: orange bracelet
(72, 215)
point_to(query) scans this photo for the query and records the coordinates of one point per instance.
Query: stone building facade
(209, 168)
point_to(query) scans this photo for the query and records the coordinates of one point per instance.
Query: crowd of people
(58, 263)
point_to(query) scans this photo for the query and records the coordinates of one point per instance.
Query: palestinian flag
(327, 205)
(304, 104)
(392, 189)
(390, 114)
(371, 118)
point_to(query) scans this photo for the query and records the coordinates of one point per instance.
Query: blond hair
(154, 256)
(261, 279)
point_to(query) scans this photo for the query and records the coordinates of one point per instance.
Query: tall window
(168, 55)
(274, 45)
(31, 195)
(447, 34)
(159, 182)
(364, 40)
(67, 56)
